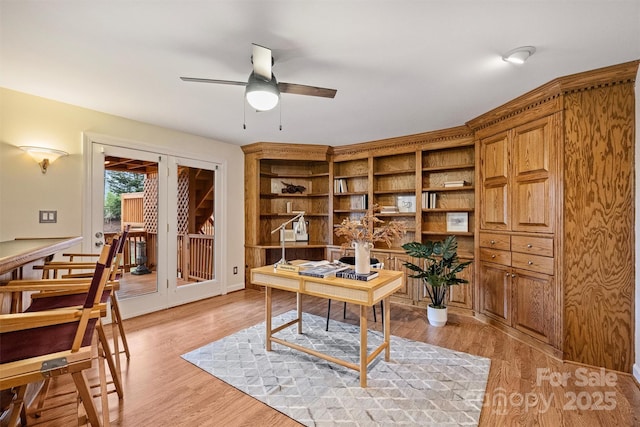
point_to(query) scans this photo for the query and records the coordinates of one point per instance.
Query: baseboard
(234, 287)
(636, 372)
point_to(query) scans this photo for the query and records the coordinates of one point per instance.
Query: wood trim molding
(552, 91)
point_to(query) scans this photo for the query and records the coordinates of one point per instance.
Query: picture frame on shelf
(406, 203)
(457, 222)
(301, 231)
(288, 235)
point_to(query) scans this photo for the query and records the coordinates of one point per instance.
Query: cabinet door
(495, 292)
(533, 157)
(461, 295)
(395, 262)
(494, 179)
(533, 303)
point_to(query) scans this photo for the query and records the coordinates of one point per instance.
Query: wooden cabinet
(269, 168)
(395, 261)
(516, 276)
(518, 178)
(555, 212)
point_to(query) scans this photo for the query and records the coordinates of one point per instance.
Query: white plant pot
(437, 316)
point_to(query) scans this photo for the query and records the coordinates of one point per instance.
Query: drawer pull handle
(513, 275)
(507, 275)
(493, 256)
(493, 242)
(529, 245)
(530, 263)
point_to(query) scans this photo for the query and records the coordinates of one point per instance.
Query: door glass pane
(131, 199)
(195, 225)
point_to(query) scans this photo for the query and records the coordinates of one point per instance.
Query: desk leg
(387, 328)
(363, 346)
(267, 310)
(299, 309)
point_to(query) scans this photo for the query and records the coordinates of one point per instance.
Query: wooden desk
(365, 294)
(18, 252)
(14, 254)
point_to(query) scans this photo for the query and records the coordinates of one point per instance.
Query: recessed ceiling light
(519, 54)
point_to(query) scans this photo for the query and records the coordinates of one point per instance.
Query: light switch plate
(48, 217)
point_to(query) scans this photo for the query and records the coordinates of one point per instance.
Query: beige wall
(24, 190)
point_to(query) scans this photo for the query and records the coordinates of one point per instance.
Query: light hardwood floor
(163, 389)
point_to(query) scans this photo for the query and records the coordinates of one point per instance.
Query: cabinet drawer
(495, 241)
(495, 256)
(542, 246)
(541, 264)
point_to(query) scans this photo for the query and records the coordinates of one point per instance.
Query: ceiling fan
(262, 89)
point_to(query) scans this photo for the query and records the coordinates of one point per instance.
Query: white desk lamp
(280, 228)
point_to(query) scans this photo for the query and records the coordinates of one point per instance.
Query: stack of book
(460, 183)
(429, 199)
(340, 186)
(388, 209)
(322, 270)
(360, 202)
(351, 274)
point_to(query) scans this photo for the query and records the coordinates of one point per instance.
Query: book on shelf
(351, 274)
(340, 186)
(360, 202)
(460, 183)
(429, 199)
(388, 209)
(323, 271)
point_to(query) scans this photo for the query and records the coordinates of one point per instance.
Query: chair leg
(344, 311)
(103, 353)
(18, 408)
(328, 313)
(374, 313)
(117, 318)
(381, 311)
(115, 373)
(85, 396)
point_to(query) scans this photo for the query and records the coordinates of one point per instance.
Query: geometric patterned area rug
(422, 385)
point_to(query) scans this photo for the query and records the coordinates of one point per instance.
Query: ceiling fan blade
(261, 58)
(222, 82)
(306, 90)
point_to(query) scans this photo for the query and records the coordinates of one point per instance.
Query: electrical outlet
(235, 270)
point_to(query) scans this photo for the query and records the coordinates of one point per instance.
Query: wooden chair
(64, 293)
(46, 344)
(351, 261)
(56, 268)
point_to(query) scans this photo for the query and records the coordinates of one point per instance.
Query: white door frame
(168, 294)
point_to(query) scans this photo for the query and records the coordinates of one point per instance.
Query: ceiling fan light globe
(262, 95)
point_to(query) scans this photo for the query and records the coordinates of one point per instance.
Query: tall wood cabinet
(555, 172)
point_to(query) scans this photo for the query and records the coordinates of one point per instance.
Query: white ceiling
(400, 67)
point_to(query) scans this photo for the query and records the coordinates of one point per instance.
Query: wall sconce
(44, 156)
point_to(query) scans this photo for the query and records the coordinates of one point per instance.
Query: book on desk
(351, 274)
(322, 270)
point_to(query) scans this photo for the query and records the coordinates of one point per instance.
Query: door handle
(99, 243)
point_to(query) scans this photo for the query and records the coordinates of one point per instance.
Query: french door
(169, 204)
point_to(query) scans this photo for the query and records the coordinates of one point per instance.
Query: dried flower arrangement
(369, 229)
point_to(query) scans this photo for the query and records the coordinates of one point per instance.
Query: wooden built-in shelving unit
(545, 190)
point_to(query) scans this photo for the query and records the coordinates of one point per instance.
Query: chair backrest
(27, 335)
(122, 241)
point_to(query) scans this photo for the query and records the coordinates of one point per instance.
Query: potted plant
(438, 271)
(362, 233)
